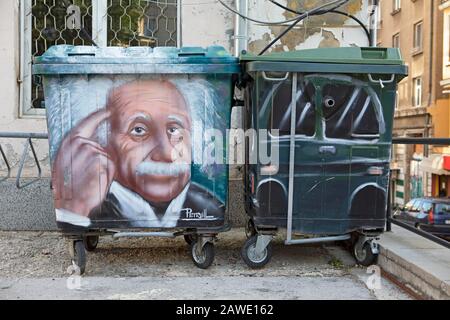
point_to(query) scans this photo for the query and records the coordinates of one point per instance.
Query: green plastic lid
(353, 55)
(330, 60)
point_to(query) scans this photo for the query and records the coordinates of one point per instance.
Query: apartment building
(416, 27)
(438, 162)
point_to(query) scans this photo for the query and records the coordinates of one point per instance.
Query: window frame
(397, 99)
(418, 47)
(417, 98)
(396, 6)
(99, 34)
(396, 37)
(446, 35)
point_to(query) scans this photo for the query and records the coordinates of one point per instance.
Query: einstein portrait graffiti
(143, 158)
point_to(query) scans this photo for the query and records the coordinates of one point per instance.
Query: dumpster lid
(330, 60)
(68, 59)
(354, 55)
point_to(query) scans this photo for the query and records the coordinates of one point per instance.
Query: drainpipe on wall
(240, 29)
(430, 82)
(240, 43)
(426, 149)
(373, 22)
(431, 78)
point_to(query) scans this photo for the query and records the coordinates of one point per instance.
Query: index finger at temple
(89, 125)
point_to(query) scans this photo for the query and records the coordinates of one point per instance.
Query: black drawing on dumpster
(341, 166)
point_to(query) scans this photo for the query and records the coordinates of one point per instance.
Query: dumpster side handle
(380, 81)
(267, 78)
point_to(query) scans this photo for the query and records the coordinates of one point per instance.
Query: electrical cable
(300, 18)
(362, 25)
(316, 11)
(268, 22)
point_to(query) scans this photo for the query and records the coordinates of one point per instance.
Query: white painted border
(25, 109)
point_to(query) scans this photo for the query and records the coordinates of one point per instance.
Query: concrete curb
(413, 276)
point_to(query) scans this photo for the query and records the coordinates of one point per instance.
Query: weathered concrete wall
(330, 30)
(205, 23)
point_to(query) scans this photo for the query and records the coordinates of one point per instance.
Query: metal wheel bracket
(262, 242)
(375, 247)
(202, 241)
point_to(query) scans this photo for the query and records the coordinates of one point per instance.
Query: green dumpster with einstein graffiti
(329, 115)
(130, 142)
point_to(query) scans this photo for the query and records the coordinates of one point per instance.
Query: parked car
(428, 214)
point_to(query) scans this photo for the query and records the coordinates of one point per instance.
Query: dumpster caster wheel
(250, 229)
(190, 238)
(90, 243)
(364, 255)
(79, 255)
(253, 257)
(202, 257)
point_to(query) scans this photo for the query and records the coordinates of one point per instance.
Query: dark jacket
(109, 214)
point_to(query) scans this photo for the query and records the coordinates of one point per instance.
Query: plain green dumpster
(330, 113)
(129, 147)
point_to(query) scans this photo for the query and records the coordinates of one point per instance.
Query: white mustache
(162, 168)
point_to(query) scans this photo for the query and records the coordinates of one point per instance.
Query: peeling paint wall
(206, 23)
(329, 30)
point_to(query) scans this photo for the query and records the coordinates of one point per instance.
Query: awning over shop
(434, 164)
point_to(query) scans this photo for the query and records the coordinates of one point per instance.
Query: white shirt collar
(141, 214)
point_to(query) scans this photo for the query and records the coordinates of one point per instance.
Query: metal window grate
(129, 23)
(49, 27)
(142, 23)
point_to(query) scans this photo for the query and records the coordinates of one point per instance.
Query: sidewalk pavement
(33, 265)
(421, 264)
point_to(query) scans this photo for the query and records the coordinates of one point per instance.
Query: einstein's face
(151, 139)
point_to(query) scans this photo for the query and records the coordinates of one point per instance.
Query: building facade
(416, 27)
(438, 162)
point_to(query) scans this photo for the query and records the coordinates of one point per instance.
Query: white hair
(202, 101)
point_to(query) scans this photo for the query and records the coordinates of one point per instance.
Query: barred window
(142, 23)
(82, 22)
